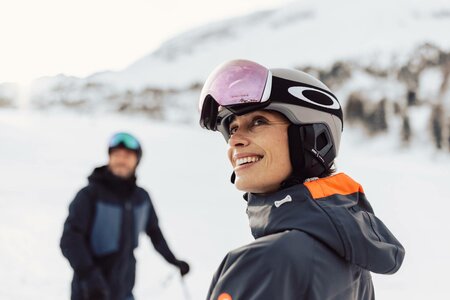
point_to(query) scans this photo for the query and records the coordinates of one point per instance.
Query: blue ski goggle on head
(124, 139)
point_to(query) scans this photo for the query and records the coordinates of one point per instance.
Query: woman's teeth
(246, 160)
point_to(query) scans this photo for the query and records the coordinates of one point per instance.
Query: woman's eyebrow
(232, 120)
(260, 116)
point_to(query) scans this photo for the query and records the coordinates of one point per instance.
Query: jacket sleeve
(249, 276)
(75, 238)
(159, 242)
(264, 272)
(215, 279)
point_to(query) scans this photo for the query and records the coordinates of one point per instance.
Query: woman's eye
(232, 130)
(259, 121)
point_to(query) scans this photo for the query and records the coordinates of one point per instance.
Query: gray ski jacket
(315, 241)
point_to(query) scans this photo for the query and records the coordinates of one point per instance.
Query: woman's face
(259, 152)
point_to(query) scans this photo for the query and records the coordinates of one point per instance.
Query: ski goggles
(124, 139)
(240, 85)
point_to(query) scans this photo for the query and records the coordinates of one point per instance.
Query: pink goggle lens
(236, 82)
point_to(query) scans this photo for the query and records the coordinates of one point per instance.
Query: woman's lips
(246, 161)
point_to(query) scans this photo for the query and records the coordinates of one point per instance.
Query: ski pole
(185, 289)
(167, 280)
(163, 286)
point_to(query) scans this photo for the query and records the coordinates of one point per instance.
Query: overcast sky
(79, 37)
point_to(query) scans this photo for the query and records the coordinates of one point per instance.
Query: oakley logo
(283, 201)
(314, 96)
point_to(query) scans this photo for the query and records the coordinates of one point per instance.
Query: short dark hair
(332, 170)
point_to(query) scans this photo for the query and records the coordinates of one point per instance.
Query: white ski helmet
(238, 87)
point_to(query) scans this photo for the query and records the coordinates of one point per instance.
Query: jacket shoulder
(283, 260)
(85, 194)
(282, 247)
(143, 192)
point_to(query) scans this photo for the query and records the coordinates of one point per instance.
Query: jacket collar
(334, 211)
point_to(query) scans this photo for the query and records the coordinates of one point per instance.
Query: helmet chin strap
(233, 177)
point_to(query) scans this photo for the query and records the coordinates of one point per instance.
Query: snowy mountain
(316, 33)
(389, 59)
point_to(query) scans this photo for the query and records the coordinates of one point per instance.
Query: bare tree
(437, 116)
(406, 129)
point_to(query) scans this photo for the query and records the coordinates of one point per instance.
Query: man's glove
(183, 266)
(93, 286)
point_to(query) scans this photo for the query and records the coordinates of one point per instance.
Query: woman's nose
(238, 139)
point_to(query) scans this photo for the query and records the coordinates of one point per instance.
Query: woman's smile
(243, 161)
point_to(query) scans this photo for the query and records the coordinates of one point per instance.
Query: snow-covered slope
(302, 33)
(46, 158)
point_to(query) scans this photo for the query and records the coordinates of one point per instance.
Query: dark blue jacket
(102, 230)
(315, 241)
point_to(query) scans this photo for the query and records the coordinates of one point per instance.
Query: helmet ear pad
(311, 150)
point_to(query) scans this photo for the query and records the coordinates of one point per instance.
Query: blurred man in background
(104, 223)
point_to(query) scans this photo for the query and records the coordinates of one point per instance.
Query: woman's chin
(244, 185)
(248, 185)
